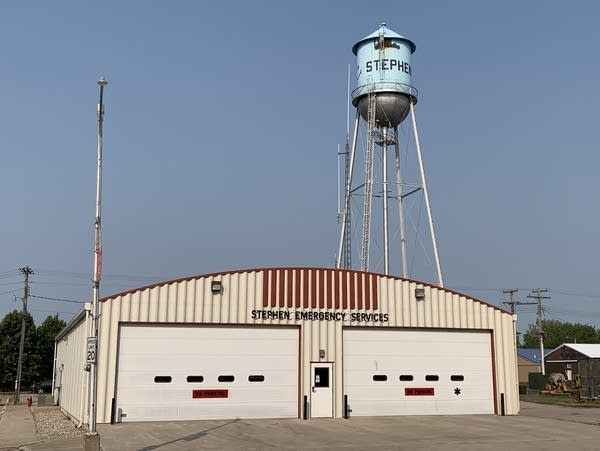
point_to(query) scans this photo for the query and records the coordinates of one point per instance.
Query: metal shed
(577, 360)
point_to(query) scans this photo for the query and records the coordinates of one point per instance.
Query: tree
(558, 332)
(10, 335)
(46, 333)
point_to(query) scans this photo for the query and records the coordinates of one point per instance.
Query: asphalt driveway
(539, 427)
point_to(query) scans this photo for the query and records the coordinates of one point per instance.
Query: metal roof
(591, 350)
(531, 354)
(387, 33)
(238, 271)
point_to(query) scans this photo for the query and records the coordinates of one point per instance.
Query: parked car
(45, 386)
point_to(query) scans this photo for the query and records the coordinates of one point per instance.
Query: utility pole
(540, 318)
(512, 302)
(26, 271)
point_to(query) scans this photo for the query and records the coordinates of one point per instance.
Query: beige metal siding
(301, 290)
(70, 372)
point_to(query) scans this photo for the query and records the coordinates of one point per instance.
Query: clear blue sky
(221, 131)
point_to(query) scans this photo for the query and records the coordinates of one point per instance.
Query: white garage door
(184, 373)
(399, 372)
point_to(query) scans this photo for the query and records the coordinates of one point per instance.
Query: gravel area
(50, 423)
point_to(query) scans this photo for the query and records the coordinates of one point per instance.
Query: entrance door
(321, 384)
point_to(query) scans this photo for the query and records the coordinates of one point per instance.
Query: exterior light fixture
(322, 353)
(420, 294)
(216, 287)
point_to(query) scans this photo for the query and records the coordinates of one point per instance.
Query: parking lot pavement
(528, 431)
(586, 415)
(539, 427)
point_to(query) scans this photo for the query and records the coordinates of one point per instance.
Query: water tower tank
(383, 60)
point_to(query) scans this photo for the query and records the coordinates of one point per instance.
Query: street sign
(91, 350)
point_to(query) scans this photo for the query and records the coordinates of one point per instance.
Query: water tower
(384, 97)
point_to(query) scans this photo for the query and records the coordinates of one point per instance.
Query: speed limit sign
(91, 350)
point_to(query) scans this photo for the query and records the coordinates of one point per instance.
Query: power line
(11, 273)
(57, 299)
(81, 275)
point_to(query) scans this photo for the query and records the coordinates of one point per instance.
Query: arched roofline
(240, 271)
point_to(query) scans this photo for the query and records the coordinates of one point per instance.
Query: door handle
(313, 390)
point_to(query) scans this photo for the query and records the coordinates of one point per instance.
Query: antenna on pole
(344, 257)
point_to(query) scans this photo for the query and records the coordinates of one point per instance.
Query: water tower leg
(399, 194)
(386, 245)
(426, 195)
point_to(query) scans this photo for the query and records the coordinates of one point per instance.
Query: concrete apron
(17, 427)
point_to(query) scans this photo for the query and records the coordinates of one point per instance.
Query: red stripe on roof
(374, 292)
(313, 288)
(281, 291)
(352, 292)
(321, 276)
(344, 276)
(305, 288)
(344, 279)
(330, 288)
(266, 276)
(360, 291)
(273, 292)
(297, 288)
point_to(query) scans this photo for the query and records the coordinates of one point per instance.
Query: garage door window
(195, 379)
(380, 377)
(406, 377)
(256, 378)
(227, 378)
(432, 378)
(162, 379)
(457, 377)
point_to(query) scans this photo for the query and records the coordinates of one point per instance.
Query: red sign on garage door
(210, 393)
(418, 391)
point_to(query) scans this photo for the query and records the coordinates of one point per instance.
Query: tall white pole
(93, 343)
(426, 195)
